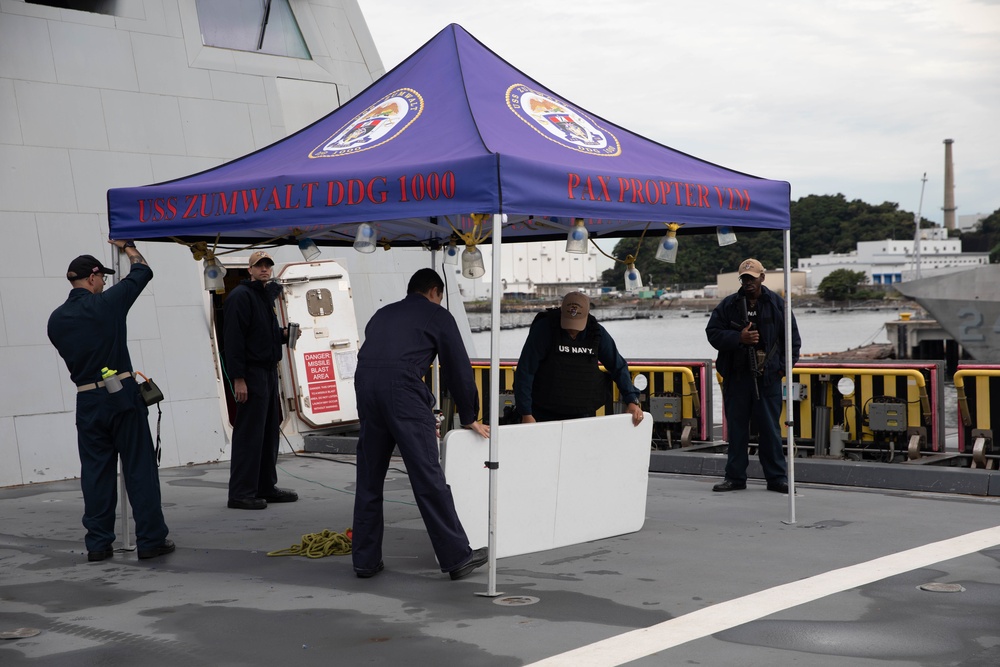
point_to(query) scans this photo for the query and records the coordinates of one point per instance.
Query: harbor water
(680, 334)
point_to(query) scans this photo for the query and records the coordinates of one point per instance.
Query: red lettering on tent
(667, 187)
(355, 191)
(288, 197)
(308, 187)
(225, 206)
(604, 187)
(190, 206)
(158, 209)
(206, 203)
(687, 194)
(252, 202)
(273, 200)
(636, 186)
(652, 191)
(623, 186)
(703, 197)
(573, 181)
(376, 196)
(743, 197)
(330, 199)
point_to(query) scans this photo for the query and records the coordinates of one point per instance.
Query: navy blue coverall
(396, 408)
(89, 332)
(253, 340)
(733, 365)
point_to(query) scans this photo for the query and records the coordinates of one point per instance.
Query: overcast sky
(833, 96)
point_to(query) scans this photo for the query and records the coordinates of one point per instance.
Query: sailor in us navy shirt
(557, 375)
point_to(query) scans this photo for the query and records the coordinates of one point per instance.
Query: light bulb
(472, 263)
(308, 249)
(667, 251)
(576, 240)
(364, 239)
(633, 281)
(726, 235)
(214, 276)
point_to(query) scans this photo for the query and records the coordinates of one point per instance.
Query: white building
(893, 261)
(536, 270)
(135, 92)
(968, 222)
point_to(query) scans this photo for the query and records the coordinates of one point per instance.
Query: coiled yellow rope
(319, 545)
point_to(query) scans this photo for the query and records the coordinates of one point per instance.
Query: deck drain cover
(515, 600)
(19, 633)
(935, 587)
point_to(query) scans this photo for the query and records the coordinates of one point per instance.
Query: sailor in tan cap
(253, 341)
(557, 376)
(748, 330)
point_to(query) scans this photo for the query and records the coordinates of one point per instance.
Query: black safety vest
(568, 380)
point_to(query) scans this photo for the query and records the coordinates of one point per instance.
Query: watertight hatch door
(317, 295)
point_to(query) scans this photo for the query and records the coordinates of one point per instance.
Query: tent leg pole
(126, 524)
(496, 292)
(123, 506)
(789, 399)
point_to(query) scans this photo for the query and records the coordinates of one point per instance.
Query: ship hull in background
(967, 305)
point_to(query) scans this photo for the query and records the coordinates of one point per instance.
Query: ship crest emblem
(560, 122)
(379, 123)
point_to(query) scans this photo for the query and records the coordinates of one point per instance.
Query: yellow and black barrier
(887, 410)
(687, 383)
(977, 388)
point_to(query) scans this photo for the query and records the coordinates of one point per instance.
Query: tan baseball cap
(575, 309)
(258, 256)
(752, 267)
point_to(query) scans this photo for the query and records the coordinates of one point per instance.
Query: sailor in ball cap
(557, 375)
(90, 334)
(748, 330)
(253, 342)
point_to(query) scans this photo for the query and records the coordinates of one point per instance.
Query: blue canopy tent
(452, 144)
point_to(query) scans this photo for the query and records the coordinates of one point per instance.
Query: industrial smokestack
(949, 186)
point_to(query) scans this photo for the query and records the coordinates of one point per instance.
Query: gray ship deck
(711, 579)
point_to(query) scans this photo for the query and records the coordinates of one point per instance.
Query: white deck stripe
(638, 644)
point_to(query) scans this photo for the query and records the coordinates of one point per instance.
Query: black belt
(95, 385)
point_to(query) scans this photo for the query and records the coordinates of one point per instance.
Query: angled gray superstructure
(966, 305)
(91, 101)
